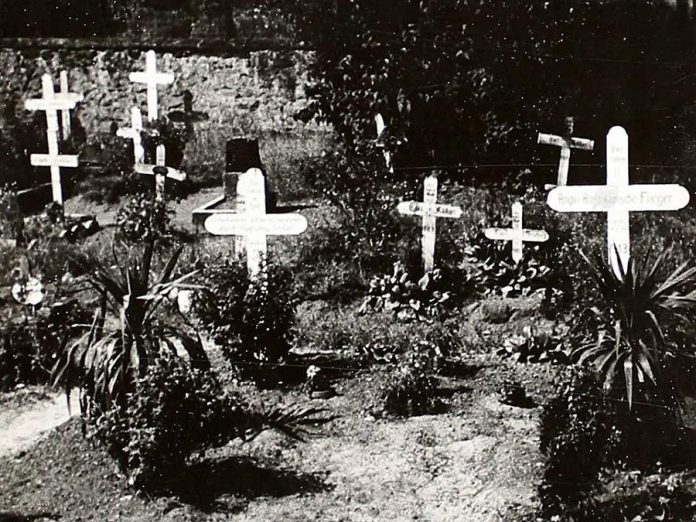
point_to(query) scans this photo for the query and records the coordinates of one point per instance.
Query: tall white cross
(566, 143)
(51, 104)
(381, 126)
(252, 222)
(152, 79)
(160, 171)
(517, 234)
(618, 198)
(133, 133)
(430, 210)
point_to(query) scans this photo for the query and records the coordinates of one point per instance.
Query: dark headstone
(242, 155)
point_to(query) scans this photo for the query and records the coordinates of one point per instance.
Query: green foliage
(251, 319)
(425, 299)
(495, 273)
(411, 388)
(453, 94)
(536, 347)
(641, 319)
(142, 218)
(579, 437)
(130, 330)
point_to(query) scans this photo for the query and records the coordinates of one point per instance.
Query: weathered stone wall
(256, 94)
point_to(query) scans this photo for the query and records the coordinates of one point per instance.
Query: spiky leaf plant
(637, 319)
(128, 331)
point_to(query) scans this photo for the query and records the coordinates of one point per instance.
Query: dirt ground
(478, 462)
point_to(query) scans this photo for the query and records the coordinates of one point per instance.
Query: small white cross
(51, 104)
(133, 133)
(618, 198)
(429, 210)
(517, 234)
(379, 122)
(152, 79)
(252, 222)
(159, 173)
(566, 143)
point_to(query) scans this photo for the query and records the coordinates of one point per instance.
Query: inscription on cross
(152, 79)
(517, 235)
(618, 198)
(566, 143)
(429, 210)
(252, 222)
(51, 103)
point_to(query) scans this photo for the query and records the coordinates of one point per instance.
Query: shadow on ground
(208, 482)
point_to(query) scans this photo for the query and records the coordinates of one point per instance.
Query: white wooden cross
(517, 234)
(430, 210)
(618, 198)
(133, 133)
(65, 94)
(152, 79)
(381, 126)
(252, 222)
(160, 171)
(566, 143)
(51, 104)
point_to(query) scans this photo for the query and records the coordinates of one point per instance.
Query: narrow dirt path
(22, 427)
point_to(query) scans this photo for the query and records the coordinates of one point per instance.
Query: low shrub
(428, 298)
(142, 218)
(251, 319)
(536, 347)
(411, 387)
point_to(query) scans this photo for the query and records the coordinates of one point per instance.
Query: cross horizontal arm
(50, 160)
(232, 224)
(147, 169)
(416, 208)
(603, 198)
(147, 77)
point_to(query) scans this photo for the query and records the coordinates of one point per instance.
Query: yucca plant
(639, 313)
(128, 331)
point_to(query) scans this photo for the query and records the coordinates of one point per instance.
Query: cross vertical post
(65, 114)
(566, 143)
(133, 133)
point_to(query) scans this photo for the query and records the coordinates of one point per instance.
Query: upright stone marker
(566, 143)
(252, 222)
(152, 79)
(517, 234)
(133, 133)
(618, 198)
(430, 210)
(51, 104)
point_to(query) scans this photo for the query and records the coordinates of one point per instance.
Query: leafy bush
(142, 218)
(429, 78)
(251, 319)
(28, 348)
(535, 347)
(578, 436)
(423, 300)
(411, 388)
(495, 273)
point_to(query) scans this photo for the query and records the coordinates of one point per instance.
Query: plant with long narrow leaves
(128, 331)
(638, 320)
